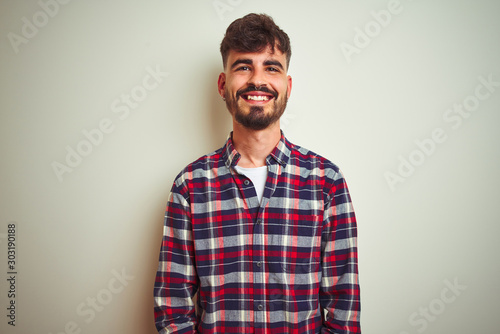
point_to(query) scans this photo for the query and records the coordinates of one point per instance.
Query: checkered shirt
(285, 265)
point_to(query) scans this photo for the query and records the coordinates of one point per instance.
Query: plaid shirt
(285, 265)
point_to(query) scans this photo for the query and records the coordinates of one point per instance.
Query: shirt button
(246, 182)
(259, 264)
(260, 307)
(259, 221)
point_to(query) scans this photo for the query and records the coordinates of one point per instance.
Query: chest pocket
(300, 245)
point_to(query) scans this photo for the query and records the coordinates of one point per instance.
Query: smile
(256, 97)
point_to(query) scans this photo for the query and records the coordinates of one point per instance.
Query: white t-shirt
(258, 176)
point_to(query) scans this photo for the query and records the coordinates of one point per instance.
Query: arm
(339, 291)
(176, 280)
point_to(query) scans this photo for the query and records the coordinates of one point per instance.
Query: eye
(273, 69)
(243, 68)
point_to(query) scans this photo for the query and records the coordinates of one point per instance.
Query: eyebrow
(242, 61)
(248, 61)
(273, 62)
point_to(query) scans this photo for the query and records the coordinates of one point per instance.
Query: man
(262, 230)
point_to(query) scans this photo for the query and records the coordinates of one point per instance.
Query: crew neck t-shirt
(258, 176)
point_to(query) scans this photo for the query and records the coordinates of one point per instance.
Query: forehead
(257, 57)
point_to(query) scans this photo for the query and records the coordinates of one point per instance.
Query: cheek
(236, 81)
(283, 90)
(283, 85)
(233, 87)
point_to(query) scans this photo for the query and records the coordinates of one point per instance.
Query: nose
(258, 78)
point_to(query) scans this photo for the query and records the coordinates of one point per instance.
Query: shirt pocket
(300, 243)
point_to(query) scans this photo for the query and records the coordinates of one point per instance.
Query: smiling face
(256, 87)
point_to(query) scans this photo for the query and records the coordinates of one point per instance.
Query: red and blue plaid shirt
(285, 265)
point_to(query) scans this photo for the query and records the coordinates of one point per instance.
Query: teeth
(258, 98)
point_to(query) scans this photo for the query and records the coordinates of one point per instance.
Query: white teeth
(258, 97)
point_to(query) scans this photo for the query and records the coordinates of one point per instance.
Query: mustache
(256, 89)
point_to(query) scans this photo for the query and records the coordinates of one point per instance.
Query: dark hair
(253, 33)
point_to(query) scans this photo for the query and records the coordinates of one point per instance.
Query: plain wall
(399, 103)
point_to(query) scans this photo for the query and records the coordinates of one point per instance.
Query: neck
(255, 145)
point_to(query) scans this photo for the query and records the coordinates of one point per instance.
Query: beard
(256, 118)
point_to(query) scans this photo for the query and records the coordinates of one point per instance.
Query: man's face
(256, 87)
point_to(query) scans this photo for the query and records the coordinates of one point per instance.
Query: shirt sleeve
(176, 280)
(339, 291)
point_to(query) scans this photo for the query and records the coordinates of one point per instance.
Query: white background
(365, 112)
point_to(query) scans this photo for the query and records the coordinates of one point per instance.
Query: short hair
(253, 33)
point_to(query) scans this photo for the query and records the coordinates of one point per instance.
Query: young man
(261, 229)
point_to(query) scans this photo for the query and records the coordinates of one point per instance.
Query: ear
(289, 86)
(221, 84)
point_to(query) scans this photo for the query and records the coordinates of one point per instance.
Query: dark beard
(255, 119)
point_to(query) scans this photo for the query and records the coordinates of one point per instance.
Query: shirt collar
(280, 153)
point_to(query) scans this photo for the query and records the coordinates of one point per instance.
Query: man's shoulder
(200, 167)
(308, 158)
(316, 166)
(207, 161)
